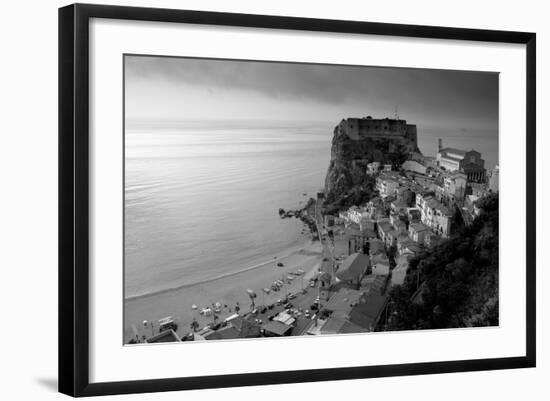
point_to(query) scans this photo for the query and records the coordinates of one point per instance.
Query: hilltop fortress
(357, 142)
(395, 130)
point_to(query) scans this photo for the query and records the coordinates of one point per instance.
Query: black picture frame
(74, 198)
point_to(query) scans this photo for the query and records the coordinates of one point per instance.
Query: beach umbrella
(252, 295)
(194, 307)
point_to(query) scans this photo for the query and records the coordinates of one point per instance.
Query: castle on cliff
(396, 130)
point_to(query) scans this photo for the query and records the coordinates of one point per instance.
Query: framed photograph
(251, 199)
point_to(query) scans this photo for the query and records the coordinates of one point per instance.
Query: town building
(353, 268)
(375, 208)
(413, 215)
(479, 190)
(494, 180)
(373, 168)
(376, 246)
(367, 224)
(275, 328)
(434, 214)
(398, 207)
(414, 166)
(467, 162)
(368, 314)
(386, 186)
(329, 220)
(417, 232)
(325, 281)
(454, 187)
(409, 248)
(384, 226)
(166, 336)
(356, 214)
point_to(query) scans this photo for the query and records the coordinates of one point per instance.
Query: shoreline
(303, 248)
(229, 290)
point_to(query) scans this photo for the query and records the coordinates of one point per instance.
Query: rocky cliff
(347, 181)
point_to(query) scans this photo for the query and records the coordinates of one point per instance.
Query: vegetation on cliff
(347, 182)
(454, 284)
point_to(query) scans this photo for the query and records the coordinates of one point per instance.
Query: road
(328, 248)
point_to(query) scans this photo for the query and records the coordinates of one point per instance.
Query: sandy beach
(228, 290)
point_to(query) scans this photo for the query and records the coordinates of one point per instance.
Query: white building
(386, 186)
(494, 180)
(414, 166)
(434, 214)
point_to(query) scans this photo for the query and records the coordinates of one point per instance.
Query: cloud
(437, 96)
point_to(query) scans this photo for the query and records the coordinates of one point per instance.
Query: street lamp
(252, 295)
(145, 323)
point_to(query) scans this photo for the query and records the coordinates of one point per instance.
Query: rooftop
(341, 302)
(453, 151)
(277, 328)
(353, 267)
(366, 314)
(418, 227)
(224, 333)
(339, 325)
(165, 336)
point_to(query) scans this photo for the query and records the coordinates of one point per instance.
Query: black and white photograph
(270, 199)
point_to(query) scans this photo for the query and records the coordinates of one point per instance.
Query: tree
(459, 279)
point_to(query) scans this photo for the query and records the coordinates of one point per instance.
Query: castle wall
(399, 131)
(360, 128)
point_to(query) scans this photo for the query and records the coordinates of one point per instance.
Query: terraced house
(434, 214)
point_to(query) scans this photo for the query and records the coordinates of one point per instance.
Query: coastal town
(417, 203)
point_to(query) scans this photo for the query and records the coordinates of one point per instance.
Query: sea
(202, 198)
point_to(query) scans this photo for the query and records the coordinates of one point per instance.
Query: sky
(169, 88)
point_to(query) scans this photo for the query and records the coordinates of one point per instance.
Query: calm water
(202, 201)
(485, 142)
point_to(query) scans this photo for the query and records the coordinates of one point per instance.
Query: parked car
(288, 305)
(307, 314)
(280, 264)
(291, 296)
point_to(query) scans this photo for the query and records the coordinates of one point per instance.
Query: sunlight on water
(201, 203)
